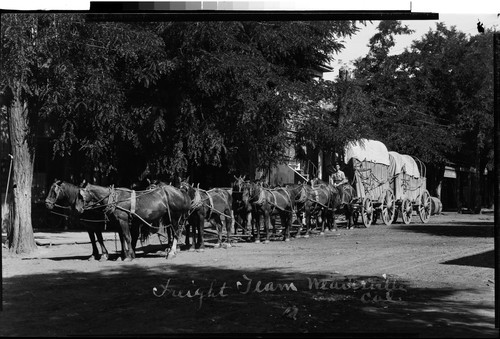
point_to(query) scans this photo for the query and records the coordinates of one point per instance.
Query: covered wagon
(409, 186)
(368, 170)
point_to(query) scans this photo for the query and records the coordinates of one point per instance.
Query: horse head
(302, 195)
(188, 188)
(66, 194)
(54, 194)
(248, 190)
(239, 183)
(92, 195)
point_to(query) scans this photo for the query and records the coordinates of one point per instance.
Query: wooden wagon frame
(409, 185)
(368, 168)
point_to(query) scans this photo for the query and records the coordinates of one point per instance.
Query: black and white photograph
(249, 168)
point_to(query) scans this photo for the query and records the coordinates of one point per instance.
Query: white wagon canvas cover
(370, 161)
(407, 181)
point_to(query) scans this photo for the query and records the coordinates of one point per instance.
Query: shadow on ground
(131, 299)
(453, 229)
(486, 259)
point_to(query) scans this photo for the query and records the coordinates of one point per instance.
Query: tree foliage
(163, 97)
(235, 84)
(433, 99)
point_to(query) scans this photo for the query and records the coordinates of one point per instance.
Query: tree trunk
(21, 237)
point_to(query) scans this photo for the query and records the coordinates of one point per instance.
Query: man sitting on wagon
(337, 179)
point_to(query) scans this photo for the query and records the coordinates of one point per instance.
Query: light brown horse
(208, 206)
(132, 209)
(267, 202)
(319, 205)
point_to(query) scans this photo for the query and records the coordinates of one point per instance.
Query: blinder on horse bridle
(51, 199)
(94, 202)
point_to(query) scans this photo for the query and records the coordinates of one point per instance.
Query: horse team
(161, 206)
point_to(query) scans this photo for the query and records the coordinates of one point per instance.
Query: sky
(462, 14)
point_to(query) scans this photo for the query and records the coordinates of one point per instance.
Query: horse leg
(134, 233)
(349, 214)
(126, 240)
(215, 221)
(322, 220)
(190, 224)
(200, 228)
(229, 226)
(248, 223)
(95, 252)
(333, 221)
(172, 252)
(257, 226)
(301, 224)
(122, 242)
(308, 222)
(267, 224)
(287, 223)
(104, 255)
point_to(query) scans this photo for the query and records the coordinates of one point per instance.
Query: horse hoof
(191, 249)
(104, 257)
(200, 250)
(306, 236)
(91, 258)
(228, 245)
(127, 259)
(287, 239)
(171, 255)
(321, 233)
(266, 241)
(257, 241)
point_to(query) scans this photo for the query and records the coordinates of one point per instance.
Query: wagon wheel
(367, 212)
(406, 211)
(424, 208)
(388, 208)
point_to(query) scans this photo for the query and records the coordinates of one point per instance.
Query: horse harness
(263, 198)
(113, 201)
(316, 198)
(211, 206)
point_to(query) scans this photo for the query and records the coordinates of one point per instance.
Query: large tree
(75, 76)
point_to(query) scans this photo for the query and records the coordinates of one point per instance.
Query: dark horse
(175, 219)
(267, 202)
(242, 210)
(340, 202)
(135, 211)
(208, 206)
(66, 195)
(343, 203)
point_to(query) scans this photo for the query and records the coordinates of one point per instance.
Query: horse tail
(145, 232)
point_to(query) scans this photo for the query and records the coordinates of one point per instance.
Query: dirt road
(433, 279)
